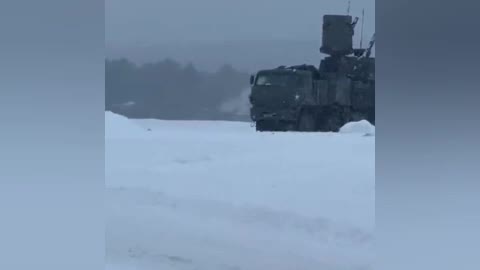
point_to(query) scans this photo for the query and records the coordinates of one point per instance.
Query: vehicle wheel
(290, 126)
(306, 122)
(335, 119)
(334, 124)
(259, 126)
(264, 125)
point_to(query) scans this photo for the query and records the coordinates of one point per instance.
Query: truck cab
(277, 96)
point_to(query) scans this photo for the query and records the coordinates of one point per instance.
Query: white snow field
(204, 195)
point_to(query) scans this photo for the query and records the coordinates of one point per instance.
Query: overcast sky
(149, 22)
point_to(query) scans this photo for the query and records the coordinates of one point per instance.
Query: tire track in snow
(320, 229)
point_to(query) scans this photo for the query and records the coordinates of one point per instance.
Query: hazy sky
(148, 22)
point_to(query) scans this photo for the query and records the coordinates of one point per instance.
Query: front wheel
(261, 126)
(265, 125)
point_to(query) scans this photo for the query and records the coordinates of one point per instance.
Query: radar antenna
(363, 22)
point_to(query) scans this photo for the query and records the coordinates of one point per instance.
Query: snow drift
(220, 196)
(362, 127)
(117, 126)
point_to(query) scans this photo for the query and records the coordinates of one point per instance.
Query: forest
(169, 90)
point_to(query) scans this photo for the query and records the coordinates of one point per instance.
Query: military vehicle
(306, 98)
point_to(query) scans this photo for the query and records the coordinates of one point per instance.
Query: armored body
(307, 98)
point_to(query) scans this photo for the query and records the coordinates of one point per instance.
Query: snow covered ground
(199, 195)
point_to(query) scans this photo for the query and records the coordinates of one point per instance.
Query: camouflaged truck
(307, 98)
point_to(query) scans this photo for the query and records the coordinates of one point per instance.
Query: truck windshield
(278, 79)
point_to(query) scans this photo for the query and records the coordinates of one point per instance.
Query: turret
(337, 35)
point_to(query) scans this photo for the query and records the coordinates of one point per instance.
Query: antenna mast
(363, 22)
(348, 8)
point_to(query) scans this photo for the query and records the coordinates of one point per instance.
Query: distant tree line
(169, 90)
